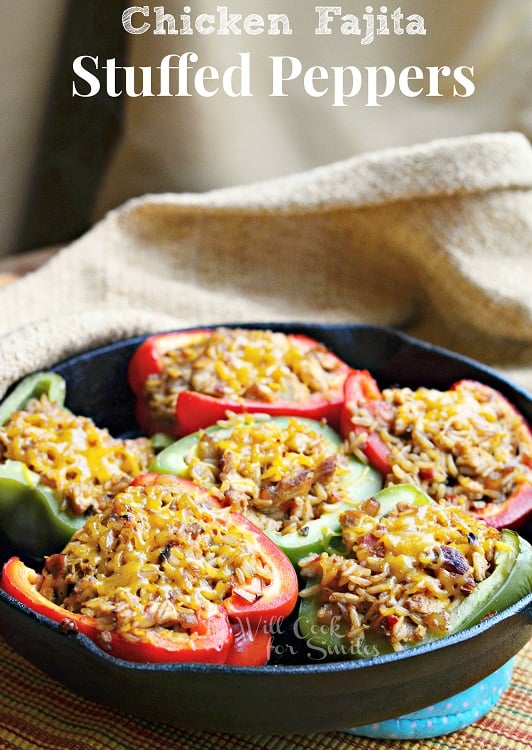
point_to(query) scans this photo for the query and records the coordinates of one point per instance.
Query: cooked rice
(280, 475)
(157, 558)
(72, 455)
(239, 364)
(466, 445)
(403, 574)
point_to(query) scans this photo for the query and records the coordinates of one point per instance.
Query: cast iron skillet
(298, 691)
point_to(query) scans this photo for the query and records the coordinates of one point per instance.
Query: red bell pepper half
(361, 389)
(212, 646)
(195, 410)
(237, 631)
(517, 508)
(251, 647)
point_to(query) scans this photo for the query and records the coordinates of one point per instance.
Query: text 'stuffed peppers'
(188, 380)
(410, 571)
(181, 579)
(288, 475)
(468, 444)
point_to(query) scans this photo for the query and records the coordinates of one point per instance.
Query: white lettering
(205, 24)
(236, 80)
(315, 73)
(222, 22)
(128, 14)
(369, 24)
(165, 67)
(186, 25)
(370, 27)
(181, 75)
(374, 92)
(80, 71)
(111, 79)
(183, 68)
(228, 21)
(164, 22)
(177, 77)
(207, 73)
(416, 25)
(254, 24)
(340, 93)
(465, 81)
(279, 24)
(279, 76)
(434, 79)
(412, 73)
(325, 18)
(131, 75)
(397, 17)
(350, 25)
(382, 19)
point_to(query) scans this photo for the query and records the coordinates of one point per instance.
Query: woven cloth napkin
(434, 239)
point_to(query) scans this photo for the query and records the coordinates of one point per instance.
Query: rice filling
(72, 455)
(403, 575)
(239, 364)
(156, 558)
(280, 474)
(467, 445)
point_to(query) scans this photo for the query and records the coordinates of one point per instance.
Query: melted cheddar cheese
(157, 557)
(238, 364)
(71, 454)
(403, 574)
(280, 473)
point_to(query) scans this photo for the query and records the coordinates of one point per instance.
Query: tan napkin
(434, 239)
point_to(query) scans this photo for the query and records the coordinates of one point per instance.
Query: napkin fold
(434, 239)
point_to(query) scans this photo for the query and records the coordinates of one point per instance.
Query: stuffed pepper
(56, 467)
(467, 445)
(411, 570)
(187, 380)
(164, 574)
(290, 476)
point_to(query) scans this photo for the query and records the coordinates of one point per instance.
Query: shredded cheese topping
(262, 366)
(157, 558)
(280, 474)
(467, 445)
(71, 454)
(403, 574)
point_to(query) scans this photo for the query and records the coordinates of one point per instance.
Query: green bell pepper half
(30, 512)
(49, 383)
(510, 580)
(31, 518)
(361, 481)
